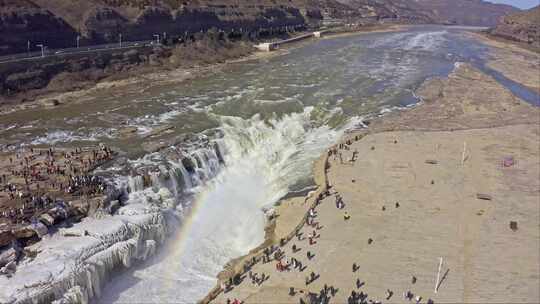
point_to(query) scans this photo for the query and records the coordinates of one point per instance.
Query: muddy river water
(246, 135)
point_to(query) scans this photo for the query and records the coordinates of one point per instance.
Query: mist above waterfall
(264, 159)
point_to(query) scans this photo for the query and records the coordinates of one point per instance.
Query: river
(248, 135)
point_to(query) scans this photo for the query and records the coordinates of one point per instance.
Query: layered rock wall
(23, 24)
(57, 23)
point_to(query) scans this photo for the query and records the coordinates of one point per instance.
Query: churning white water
(264, 158)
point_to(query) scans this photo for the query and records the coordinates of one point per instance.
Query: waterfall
(136, 183)
(230, 179)
(155, 179)
(186, 178)
(179, 176)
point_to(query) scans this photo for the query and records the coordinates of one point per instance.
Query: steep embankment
(28, 80)
(57, 23)
(179, 24)
(521, 27)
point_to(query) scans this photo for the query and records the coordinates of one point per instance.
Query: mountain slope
(57, 23)
(522, 27)
(463, 12)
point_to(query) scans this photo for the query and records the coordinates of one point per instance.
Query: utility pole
(78, 39)
(120, 40)
(157, 38)
(438, 275)
(42, 49)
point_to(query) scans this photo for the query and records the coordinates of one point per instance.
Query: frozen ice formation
(71, 266)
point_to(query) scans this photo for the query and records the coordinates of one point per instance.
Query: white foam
(64, 136)
(426, 41)
(264, 158)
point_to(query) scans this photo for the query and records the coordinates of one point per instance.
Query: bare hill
(463, 12)
(522, 27)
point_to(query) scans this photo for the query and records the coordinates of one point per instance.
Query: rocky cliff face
(57, 23)
(22, 81)
(22, 22)
(105, 24)
(522, 27)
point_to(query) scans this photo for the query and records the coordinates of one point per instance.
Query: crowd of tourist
(40, 179)
(284, 263)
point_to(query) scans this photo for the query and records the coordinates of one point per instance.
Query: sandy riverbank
(368, 29)
(513, 61)
(434, 161)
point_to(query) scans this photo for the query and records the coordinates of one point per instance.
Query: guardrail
(80, 50)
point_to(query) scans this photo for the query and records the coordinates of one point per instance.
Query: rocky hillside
(386, 9)
(22, 21)
(57, 23)
(522, 27)
(463, 12)
(28, 80)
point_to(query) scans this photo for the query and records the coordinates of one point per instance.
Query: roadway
(82, 49)
(70, 51)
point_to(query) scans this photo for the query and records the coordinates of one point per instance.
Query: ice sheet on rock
(76, 295)
(73, 269)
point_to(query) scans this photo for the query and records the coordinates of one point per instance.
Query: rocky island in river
(368, 158)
